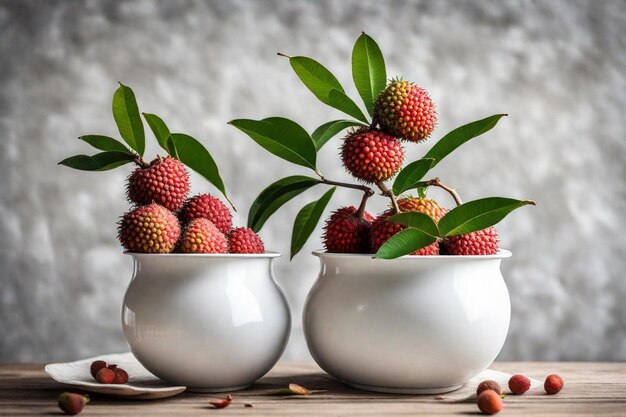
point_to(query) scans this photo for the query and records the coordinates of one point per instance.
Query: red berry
(554, 383)
(482, 242)
(519, 384)
(489, 402)
(371, 155)
(406, 110)
(489, 384)
(165, 181)
(149, 229)
(244, 240)
(121, 376)
(105, 376)
(205, 206)
(71, 403)
(346, 233)
(96, 366)
(202, 236)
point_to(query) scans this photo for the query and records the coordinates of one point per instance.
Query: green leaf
(315, 76)
(326, 131)
(105, 143)
(410, 176)
(447, 144)
(282, 137)
(324, 85)
(404, 242)
(306, 220)
(368, 70)
(161, 132)
(126, 115)
(341, 101)
(416, 220)
(102, 161)
(193, 154)
(478, 215)
(275, 196)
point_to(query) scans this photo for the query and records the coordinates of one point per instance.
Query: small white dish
(142, 385)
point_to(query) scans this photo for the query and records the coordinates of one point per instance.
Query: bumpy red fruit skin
(96, 366)
(105, 376)
(489, 384)
(202, 236)
(71, 403)
(482, 242)
(244, 240)
(205, 206)
(121, 376)
(519, 384)
(149, 229)
(554, 384)
(346, 233)
(371, 155)
(489, 402)
(165, 182)
(405, 110)
(382, 229)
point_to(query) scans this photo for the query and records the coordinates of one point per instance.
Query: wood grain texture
(591, 389)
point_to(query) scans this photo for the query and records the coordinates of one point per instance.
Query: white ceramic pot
(210, 322)
(415, 325)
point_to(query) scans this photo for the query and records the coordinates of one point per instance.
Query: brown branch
(388, 193)
(367, 191)
(437, 183)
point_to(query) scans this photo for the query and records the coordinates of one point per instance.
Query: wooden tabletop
(591, 389)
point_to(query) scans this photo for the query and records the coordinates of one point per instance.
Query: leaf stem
(437, 183)
(140, 161)
(388, 193)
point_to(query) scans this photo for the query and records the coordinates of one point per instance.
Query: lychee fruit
(71, 403)
(205, 206)
(481, 242)
(202, 236)
(245, 240)
(345, 232)
(553, 384)
(406, 111)
(382, 229)
(165, 181)
(489, 402)
(121, 376)
(149, 229)
(519, 384)
(371, 155)
(105, 376)
(489, 384)
(96, 366)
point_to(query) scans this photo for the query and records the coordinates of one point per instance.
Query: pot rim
(266, 254)
(502, 253)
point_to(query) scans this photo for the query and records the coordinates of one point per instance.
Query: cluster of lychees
(403, 112)
(165, 220)
(489, 394)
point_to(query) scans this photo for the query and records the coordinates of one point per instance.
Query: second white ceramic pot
(416, 324)
(210, 322)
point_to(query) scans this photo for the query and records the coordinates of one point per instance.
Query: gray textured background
(557, 67)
